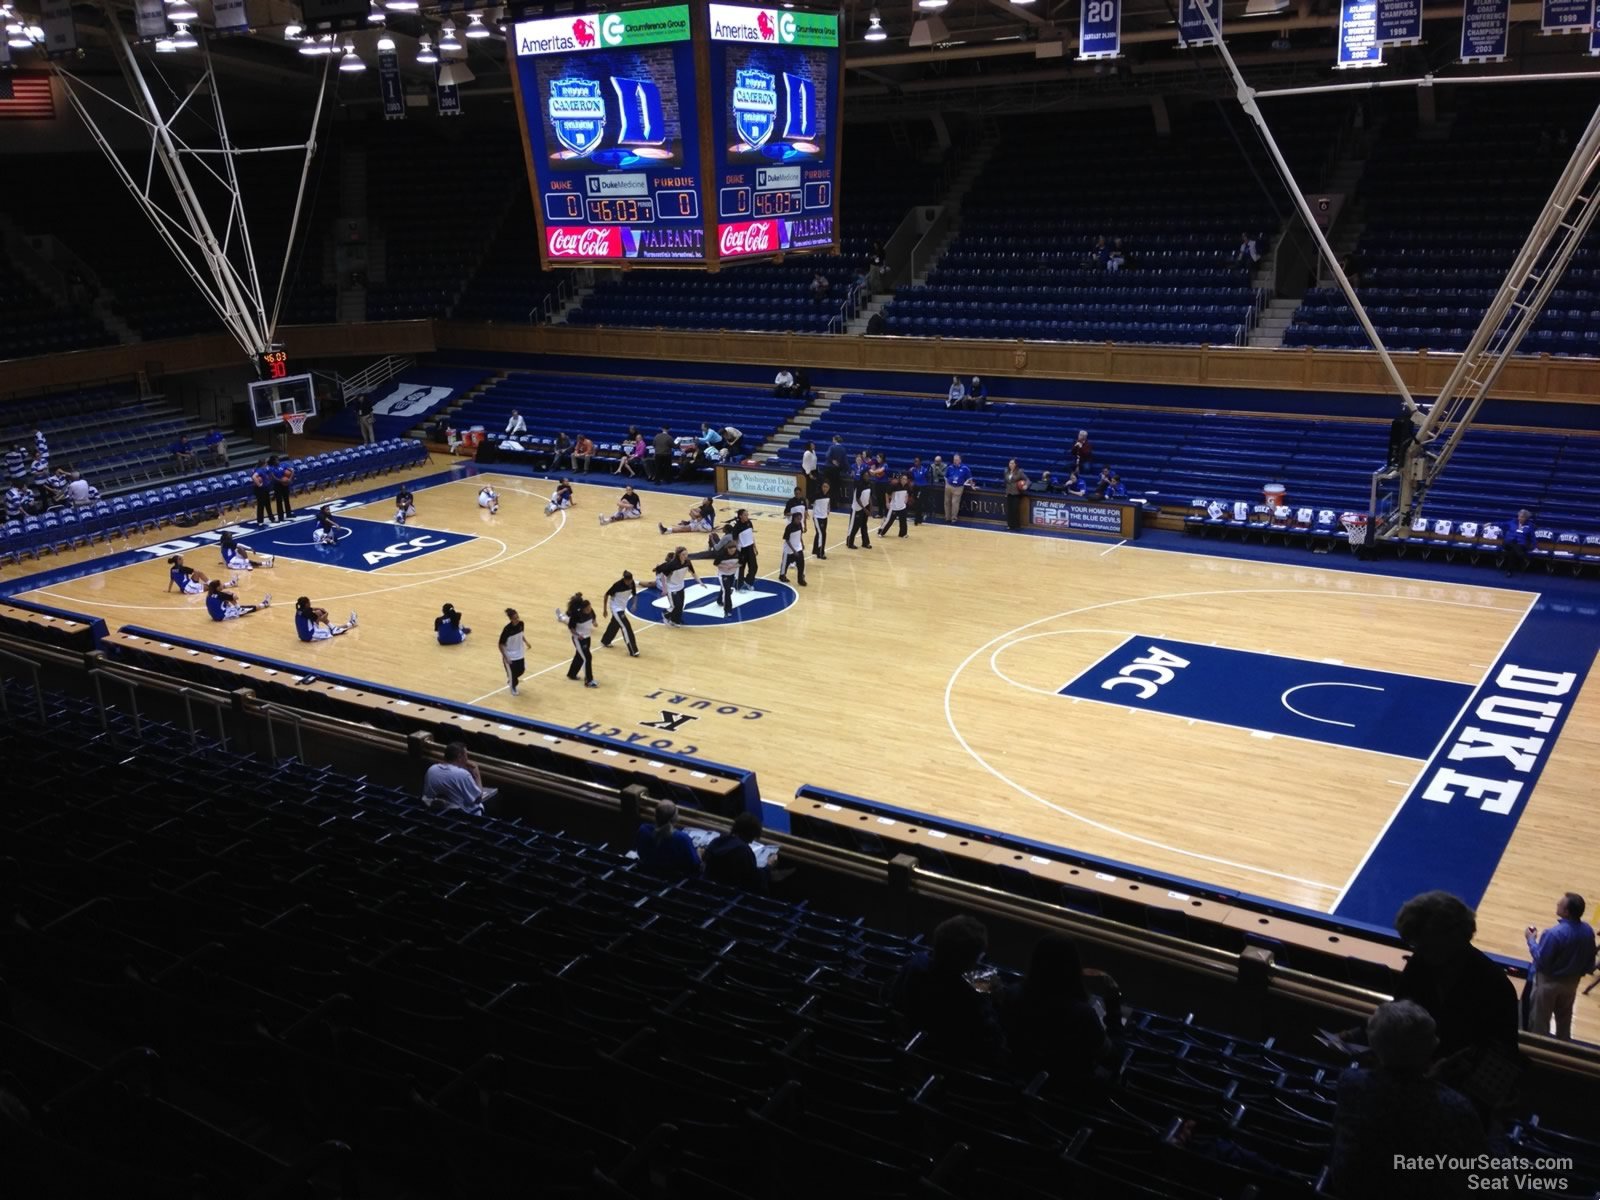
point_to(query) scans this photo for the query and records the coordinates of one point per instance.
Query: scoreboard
(774, 100)
(680, 135)
(606, 103)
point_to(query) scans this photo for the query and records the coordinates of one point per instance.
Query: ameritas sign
(773, 26)
(602, 31)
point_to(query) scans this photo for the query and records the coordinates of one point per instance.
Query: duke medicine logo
(577, 113)
(702, 603)
(755, 104)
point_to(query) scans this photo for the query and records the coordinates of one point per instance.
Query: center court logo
(702, 603)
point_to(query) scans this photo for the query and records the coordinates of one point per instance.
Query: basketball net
(1355, 528)
(296, 421)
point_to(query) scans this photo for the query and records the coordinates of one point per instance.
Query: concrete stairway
(794, 430)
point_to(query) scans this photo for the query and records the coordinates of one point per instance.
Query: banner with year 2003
(1100, 29)
(1485, 27)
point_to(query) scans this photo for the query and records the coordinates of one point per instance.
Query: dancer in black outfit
(747, 549)
(819, 521)
(728, 568)
(579, 620)
(512, 651)
(620, 599)
(859, 514)
(672, 577)
(896, 502)
(794, 549)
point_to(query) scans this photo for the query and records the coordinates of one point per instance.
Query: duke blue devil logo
(577, 114)
(755, 104)
(800, 109)
(639, 107)
(702, 602)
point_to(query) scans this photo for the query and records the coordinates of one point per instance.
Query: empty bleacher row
(1170, 458)
(280, 979)
(1435, 243)
(127, 514)
(605, 406)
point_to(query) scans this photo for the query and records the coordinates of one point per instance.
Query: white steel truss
(211, 242)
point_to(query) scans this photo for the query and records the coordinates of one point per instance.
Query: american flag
(25, 96)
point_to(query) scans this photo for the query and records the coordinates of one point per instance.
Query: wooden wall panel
(1534, 378)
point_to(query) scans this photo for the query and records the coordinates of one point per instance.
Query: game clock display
(607, 107)
(774, 97)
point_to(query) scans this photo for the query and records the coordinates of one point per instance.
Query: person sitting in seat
(456, 783)
(783, 384)
(977, 395)
(1517, 543)
(932, 995)
(183, 454)
(956, 397)
(583, 453)
(664, 850)
(447, 627)
(731, 858)
(1050, 1020)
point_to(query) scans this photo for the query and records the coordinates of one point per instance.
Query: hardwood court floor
(925, 672)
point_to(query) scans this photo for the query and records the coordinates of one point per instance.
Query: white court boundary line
(1365, 687)
(1428, 762)
(1137, 839)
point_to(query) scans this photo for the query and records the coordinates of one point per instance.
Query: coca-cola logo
(587, 241)
(749, 237)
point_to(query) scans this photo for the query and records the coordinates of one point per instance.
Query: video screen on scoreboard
(774, 93)
(607, 106)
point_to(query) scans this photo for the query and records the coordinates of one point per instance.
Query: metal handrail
(33, 672)
(295, 720)
(100, 700)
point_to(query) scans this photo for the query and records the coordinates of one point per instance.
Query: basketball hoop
(296, 421)
(1355, 527)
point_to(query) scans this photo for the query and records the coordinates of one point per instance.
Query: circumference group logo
(702, 603)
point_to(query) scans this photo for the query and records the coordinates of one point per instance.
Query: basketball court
(1328, 737)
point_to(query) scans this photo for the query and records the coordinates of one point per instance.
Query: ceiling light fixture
(932, 5)
(182, 10)
(875, 30)
(376, 15)
(401, 5)
(292, 32)
(447, 38)
(425, 54)
(351, 62)
(165, 46)
(386, 42)
(475, 26)
(183, 39)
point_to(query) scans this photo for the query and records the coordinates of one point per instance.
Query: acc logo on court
(702, 603)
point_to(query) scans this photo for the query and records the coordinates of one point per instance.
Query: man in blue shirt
(956, 480)
(1562, 956)
(919, 487)
(1517, 543)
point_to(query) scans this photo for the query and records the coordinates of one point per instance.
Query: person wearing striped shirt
(672, 577)
(579, 620)
(859, 508)
(899, 501)
(794, 549)
(513, 652)
(819, 522)
(620, 598)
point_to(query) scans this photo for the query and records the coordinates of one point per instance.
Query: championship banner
(1358, 34)
(1484, 28)
(1594, 29)
(1192, 27)
(150, 19)
(1100, 29)
(448, 95)
(60, 36)
(390, 86)
(1567, 16)
(230, 16)
(1399, 22)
